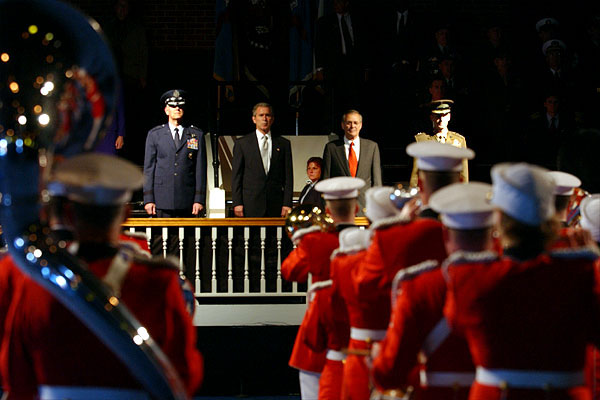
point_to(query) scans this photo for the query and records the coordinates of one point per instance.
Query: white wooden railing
(223, 303)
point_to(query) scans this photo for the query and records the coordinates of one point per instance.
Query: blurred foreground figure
(47, 351)
(418, 344)
(528, 315)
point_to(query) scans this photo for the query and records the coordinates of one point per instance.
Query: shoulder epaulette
(137, 235)
(300, 233)
(416, 270)
(410, 273)
(157, 127)
(169, 262)
(133, 249)
(536, 115)
(467, 257)
(588, 252)
(420, 136)
(385, 222)
(457, 134)
(192, 127)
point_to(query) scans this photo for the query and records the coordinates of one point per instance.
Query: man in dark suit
(174, 165)
(353, 156)
(262, 177)
(262, 184)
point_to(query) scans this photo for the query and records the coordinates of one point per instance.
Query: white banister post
(246, 273)
(294, 283)
(213, 282)
(230, 260)
(263, 281)
(149, 237)
(165, 238)
(279, 230)
(197, 267)
(181, 265)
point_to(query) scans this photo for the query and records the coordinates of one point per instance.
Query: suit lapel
(167, 137)
(256, 150)
(275, 152)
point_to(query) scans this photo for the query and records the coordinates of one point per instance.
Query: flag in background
(223, 67)
(301, 47)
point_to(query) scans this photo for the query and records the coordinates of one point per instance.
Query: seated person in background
(309, 195)
(47, 351)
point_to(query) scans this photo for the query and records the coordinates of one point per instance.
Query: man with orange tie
(353, 156)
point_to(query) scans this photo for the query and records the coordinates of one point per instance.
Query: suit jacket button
(175, 164)
(176, 153)
(175, 174)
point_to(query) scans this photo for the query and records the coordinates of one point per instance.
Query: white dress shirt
(179, 129)
(356, 147)
(259, 137)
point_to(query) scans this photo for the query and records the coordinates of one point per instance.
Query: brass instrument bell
(307, 215)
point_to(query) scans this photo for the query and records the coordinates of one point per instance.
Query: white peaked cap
(590, 215)
(524, 192)
(545, 22)
(378, 203)
(354, 239)
(565, 182)
(464, 205)
(94, 178)
(341, 187)
(553, 44)
(434, 156)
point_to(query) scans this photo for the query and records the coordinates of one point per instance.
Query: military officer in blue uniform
(174, 164)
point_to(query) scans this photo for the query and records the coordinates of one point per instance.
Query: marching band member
(47, 352)
(312, 256)
(590, 221)
(418, 333)
(332, 331)
(353, 245)
(396, 244)
(563, 193)
(528, 315)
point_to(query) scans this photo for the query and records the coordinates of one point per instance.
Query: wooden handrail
(136, 222)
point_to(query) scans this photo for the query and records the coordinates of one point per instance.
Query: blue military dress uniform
(175, 176)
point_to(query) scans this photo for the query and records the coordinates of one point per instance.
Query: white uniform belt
(367, 334)
(525, 379)
(335, 355)
(446, 379)
(89, 393)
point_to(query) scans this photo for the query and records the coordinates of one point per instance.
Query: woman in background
(309, 195)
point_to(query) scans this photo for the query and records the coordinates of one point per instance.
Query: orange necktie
(352, 161)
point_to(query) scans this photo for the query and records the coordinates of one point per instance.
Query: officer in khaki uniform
(440, 117)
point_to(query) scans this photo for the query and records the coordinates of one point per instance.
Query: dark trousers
(189, 256)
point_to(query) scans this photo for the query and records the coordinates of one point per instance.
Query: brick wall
(171, 24)
(189, 24)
